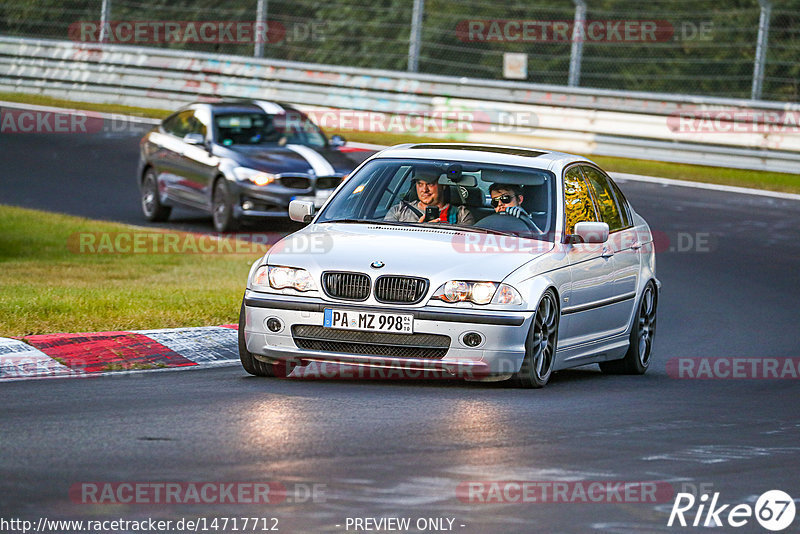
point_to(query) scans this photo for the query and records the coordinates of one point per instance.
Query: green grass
(48, 285)
(773, 181)
(41, 100)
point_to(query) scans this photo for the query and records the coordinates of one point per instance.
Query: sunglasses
(505, 199)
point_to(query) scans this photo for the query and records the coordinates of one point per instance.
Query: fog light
(472, 339)
(274, 325)
(247, 205)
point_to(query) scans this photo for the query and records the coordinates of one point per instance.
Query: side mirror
(337, 141)
(194, 139)
(301, 211)
(592, 232)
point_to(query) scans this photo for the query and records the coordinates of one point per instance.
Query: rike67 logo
(774, 510)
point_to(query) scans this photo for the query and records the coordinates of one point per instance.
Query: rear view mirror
(592, 232)
(301, 211)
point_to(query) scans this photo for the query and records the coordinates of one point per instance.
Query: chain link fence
(702, 47)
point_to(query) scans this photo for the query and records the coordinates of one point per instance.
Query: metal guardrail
(602, 122)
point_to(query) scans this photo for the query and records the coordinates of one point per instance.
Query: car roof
(244, 106)
(483, 153)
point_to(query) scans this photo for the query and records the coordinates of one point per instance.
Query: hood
(289, 159)
(437, 254)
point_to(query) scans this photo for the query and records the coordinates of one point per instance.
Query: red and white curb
(97, 353)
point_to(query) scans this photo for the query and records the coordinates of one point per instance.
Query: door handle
(607, 252)
(636, 246)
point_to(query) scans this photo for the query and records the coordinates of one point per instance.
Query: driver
(507, 198)
(430, 194)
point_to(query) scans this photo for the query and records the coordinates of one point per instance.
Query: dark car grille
(400, 289)
(319, 338)
(295, 182)
(328, 182)
(347, 286)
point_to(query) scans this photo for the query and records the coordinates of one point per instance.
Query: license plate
(397, 323)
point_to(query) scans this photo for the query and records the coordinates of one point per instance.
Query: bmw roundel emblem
(377, 264)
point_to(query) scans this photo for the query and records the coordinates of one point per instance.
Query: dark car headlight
(254, 176)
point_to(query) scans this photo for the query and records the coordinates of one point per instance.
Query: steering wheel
(526, 220)
(503, 222)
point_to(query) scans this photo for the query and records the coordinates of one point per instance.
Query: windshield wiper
(368, 221)
(481, 230)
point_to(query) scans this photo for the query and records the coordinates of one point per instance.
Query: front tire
(152, 208)
(222, 208)
(540, 346)
(637, 359)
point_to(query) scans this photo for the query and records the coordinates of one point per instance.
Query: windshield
(261, 129)
(464, 194)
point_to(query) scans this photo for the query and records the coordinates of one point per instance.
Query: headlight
(507, 295)
(461, 291)
(254, 176)
(478, 293)
(284, 277)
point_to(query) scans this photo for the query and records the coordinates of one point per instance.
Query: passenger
(430, 194)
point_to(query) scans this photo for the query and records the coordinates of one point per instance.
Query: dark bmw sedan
(237, 161)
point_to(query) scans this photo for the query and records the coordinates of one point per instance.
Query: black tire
(540, 346)
(151, 204)
(257, 367)
(637, 359)
(222, 208)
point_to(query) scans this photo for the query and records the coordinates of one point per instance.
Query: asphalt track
(400, 449)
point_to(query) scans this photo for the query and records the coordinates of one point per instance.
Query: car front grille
(347, 286)
(400, 289)
(328, 182)
(319, 338)
(295, 182)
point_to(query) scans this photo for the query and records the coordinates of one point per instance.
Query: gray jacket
(402, 213)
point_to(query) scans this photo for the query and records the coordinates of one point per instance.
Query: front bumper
(500, 353)
(272, 200)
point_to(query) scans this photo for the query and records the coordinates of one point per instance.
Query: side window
(197, 126)
(393, 194)
(178, 124)
(604, 196)
(624, 207)
(578, 205)
(184, 123)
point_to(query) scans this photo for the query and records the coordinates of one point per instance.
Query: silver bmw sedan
(482, 262)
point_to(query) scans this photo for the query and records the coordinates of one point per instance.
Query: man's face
(428, 193)
(503, 198)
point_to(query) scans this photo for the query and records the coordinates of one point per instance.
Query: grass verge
(773, 181)
(52, 284)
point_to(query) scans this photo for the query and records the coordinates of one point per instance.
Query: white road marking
(19, 361)
(203, 345)
(704, 185)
